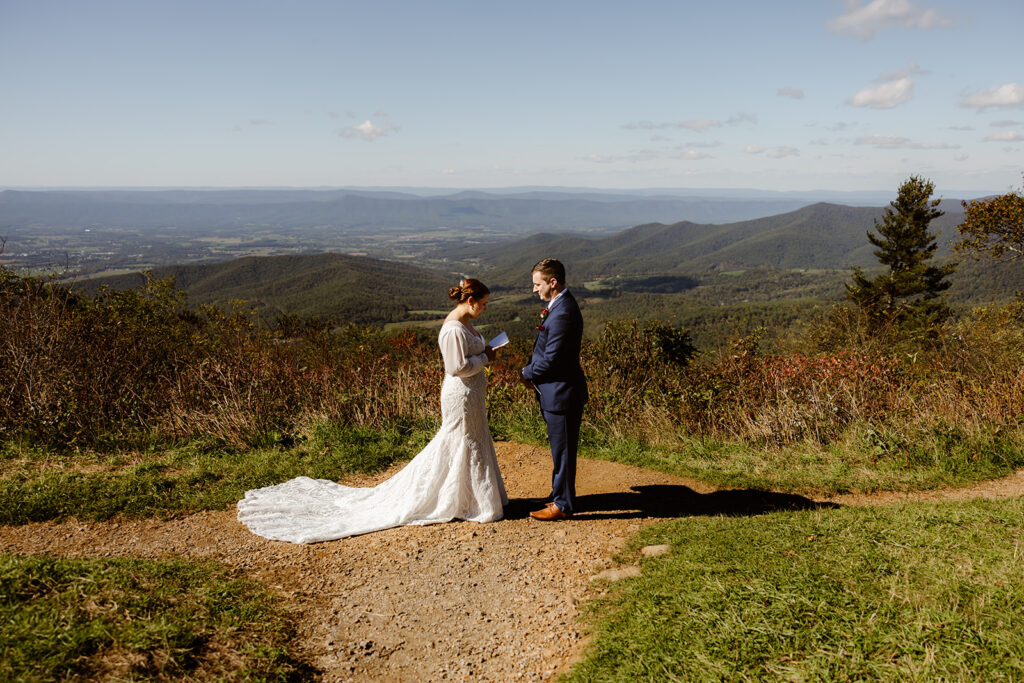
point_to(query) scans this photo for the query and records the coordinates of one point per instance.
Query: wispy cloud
(237, 128)
(630, 157)
(895, 142)
(1005, 136)
(742, 117)
(961, 157)
(782, 152)
(1009, 95)
(841, 126)
(789, 91)
(864, 21)
(368, 130)
(754, 149)
(960, 128)
(1005, 123)
(911, 70)
(696, 125)
(699, 143)
(691, 155)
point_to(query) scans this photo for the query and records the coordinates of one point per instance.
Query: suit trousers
(564, 437)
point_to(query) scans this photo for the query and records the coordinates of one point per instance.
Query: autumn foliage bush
(140, 366)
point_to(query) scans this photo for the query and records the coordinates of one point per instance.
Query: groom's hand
(491, 353)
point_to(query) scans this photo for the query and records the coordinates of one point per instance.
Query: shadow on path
(668, 501)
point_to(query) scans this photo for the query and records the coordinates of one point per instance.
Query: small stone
(655, 550)
(615, 574)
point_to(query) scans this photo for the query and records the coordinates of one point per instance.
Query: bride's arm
(454, 349)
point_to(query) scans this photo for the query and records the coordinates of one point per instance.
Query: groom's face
(544, 288)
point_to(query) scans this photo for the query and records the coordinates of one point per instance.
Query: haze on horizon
(823, 95)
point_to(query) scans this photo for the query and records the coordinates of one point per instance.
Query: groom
(555, 374)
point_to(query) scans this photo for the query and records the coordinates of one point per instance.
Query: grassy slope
(37, 486)
(912, 592)
(128, 619)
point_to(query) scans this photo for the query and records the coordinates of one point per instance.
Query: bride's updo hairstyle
(468, 289)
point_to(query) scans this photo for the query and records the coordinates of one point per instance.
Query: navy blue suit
(555, 371)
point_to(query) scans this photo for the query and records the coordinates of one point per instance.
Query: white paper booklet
(499, 341)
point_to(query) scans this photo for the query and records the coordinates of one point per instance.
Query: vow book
(499, 341)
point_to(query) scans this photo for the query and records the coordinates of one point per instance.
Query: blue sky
(801, 95)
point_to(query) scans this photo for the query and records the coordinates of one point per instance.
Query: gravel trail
(458, 601)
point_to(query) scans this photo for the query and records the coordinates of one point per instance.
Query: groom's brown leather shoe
(550, 513)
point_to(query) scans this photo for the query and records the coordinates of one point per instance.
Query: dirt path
(451, 601)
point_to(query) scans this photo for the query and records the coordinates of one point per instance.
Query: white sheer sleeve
(458, 362)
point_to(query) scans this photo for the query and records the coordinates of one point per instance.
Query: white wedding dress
(455, 476)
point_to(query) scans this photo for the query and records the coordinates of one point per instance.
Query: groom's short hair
(550, 268)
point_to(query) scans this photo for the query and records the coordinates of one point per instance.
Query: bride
(454, 477)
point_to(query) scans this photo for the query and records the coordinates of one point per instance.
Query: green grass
(38, 485)
(127, 619)
(912, 592)
(865, 460)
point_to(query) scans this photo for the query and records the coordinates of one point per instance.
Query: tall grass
(138, 367)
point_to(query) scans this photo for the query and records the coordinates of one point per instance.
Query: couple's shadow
(668, 501)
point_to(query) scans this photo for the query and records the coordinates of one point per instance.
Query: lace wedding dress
(454, 477)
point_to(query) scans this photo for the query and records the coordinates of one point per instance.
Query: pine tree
(909, 293)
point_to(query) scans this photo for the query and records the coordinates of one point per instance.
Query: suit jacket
(555, 364)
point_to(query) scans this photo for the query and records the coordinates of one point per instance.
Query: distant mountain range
(660, 257)
(516, 212)
(820, 236)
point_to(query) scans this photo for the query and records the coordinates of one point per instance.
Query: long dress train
(455, 476)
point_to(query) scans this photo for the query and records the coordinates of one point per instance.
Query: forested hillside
(345, 288)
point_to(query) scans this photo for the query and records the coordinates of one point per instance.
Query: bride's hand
(491, 353)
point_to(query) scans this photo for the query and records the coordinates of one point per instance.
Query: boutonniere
(543, 317)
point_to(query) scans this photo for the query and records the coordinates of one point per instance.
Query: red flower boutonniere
(543, 317)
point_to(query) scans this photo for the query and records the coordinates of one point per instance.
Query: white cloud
(820, 142)
(782, 152)
(754, 149)
(260, 122)
(1005, 136)
(697, 125)
(691, 155)
(961, 157)
(742, 117)
(894, 142)
(369, 131)
(711, 143)
(1004, 123)
(1009, 95)
(885, 96)
(701, 125)
(789, 91)
(912, 70)
(448, 171)
(959, 127)
(864, 21)
(841, 126)
(660, 138)
(632, 157)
